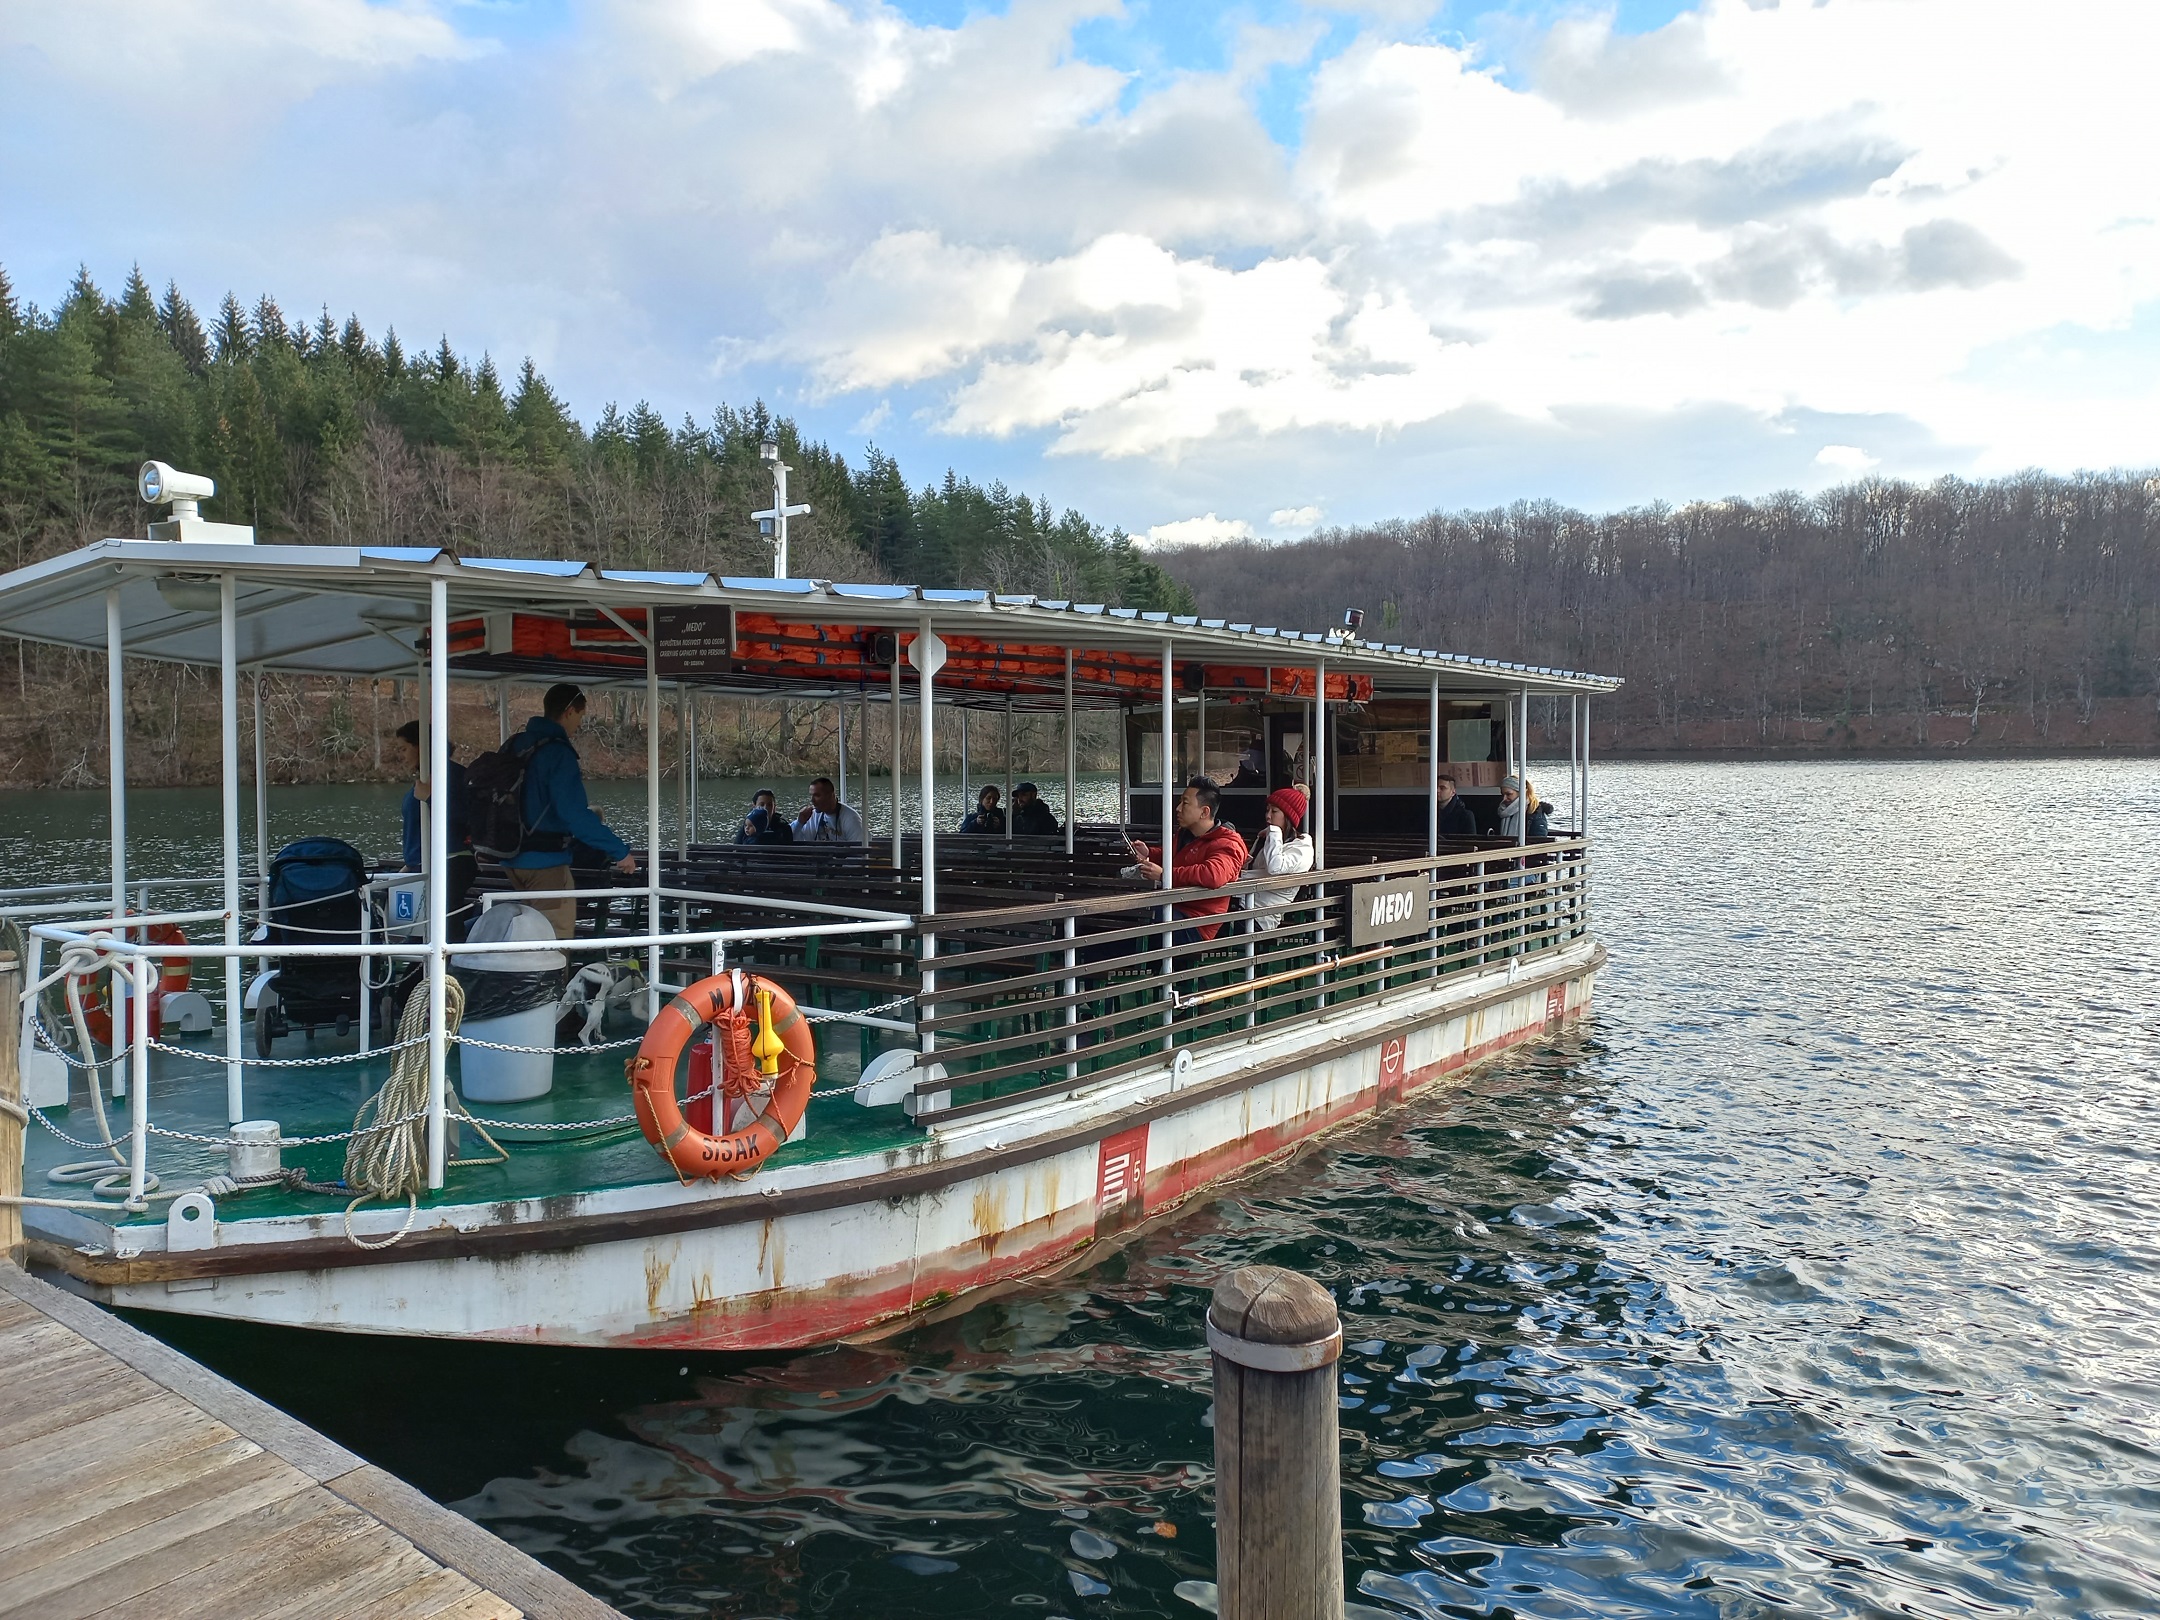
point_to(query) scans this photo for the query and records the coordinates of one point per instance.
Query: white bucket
(489, 1076)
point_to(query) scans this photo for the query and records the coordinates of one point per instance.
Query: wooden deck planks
(135, 1483)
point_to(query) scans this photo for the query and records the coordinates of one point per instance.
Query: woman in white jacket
(1284, 848)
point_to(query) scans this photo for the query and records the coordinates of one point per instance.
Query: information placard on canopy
(693, 640)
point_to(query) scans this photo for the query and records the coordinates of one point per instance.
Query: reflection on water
(1815, 1275)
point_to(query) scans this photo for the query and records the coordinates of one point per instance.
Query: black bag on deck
(495, 800)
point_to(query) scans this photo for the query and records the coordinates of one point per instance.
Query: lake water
(1818, 1274)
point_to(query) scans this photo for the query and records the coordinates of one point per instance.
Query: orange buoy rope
(765, 1051)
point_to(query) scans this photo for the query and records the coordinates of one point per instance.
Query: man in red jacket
(1209, 855)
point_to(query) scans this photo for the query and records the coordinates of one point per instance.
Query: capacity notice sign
(693, 640)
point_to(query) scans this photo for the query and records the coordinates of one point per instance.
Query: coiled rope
(387, 1158)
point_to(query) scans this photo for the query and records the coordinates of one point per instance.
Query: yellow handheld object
(765, 1045)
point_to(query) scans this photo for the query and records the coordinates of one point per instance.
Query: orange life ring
(173, 974)
(730, 1003)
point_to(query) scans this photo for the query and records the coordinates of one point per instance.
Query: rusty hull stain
(656, 1277)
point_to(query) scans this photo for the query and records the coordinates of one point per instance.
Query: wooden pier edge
(448, 1538)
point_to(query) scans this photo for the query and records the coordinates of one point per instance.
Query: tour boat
(999, 1050)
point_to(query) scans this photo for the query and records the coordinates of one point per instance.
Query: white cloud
(1848, 459)
(1915, 214)
(1209, 530)
(1294, 517)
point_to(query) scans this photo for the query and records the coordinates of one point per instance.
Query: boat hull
(998, 1199)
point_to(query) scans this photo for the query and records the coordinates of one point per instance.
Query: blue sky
(1198, 270)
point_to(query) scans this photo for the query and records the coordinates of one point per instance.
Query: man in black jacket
(1031, 817)
(1456, 818)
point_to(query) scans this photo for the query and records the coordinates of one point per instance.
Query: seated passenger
(825, 820)
(1032, 817)
(986, 816)
(464, 867)
(1209, 854)
(1457, 819)
(1285, 847)
(1540, 815)
(764, 824)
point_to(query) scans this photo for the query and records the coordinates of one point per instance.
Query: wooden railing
(1027, 1001)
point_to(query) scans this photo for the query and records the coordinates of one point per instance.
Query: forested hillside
(2018, 613)
(317, 431)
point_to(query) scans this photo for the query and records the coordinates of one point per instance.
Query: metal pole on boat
(898, 855)
(437, 866)
(652, 813)
(1169, 744)
(690, 833)
(502, 714)
(1522, 770)
(1008, 770)
(927, 654)
(863, 732)
(262, 803)
(1322, 778)
(1432, 785)
(1166, 848)
(1072, 755)
(840, 778)
(229, 815)
(1582, 822)
(967, 802)
(1124, 742)
(144, 973)
(682, 773)
(116, 747)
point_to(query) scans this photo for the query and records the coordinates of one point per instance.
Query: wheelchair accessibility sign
(405, 903)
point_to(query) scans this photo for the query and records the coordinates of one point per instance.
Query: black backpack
(495, 800)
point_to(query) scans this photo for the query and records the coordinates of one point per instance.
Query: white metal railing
(101, 942)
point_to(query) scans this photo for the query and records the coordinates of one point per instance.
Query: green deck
(190, 1096)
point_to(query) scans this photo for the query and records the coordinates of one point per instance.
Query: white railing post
(145, 981)
(1072, 755)
(262, 804)
(116, 747)
(1166, 848)
(928, 654)
(652, 811)
(229, 782)
(437, 865)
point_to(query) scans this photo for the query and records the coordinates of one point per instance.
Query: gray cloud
(1623, 297)
(1950, 253)
(1595, 73)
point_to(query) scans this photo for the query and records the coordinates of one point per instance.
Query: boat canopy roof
(362, 611)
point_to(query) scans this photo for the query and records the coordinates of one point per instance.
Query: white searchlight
(162, 485)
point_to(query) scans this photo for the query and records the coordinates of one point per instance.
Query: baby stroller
(315, 899)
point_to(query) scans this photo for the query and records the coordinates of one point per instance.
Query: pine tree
(176, 316)
(545, 431)
(136, 302)
(324, 339)
(231, 336)
(84, 304)
(11, 320)
(268, 328)
(393, 355)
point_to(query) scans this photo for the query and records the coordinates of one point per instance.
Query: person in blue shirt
(463, 865)
(557, 812)
(986, 817)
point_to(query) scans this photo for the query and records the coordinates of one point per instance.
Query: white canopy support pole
(840, 730)
(696, 765)
(1323, 785)
(229, 807)
(1166, 850)
(1582, 822)
(1522, 767)
(116, 746)
(967, 792)
(1574, 759)
(863, 735)
(1124, 742)
(262, 802)
(502, 714)
(1432, 782)
(652, 815)
(145, 974)
(1199, 751)
(899, 856)
(1169, 745)
(1072, 757)
(436, 864)
(925, 693)
(682, 772)
(1008, 769)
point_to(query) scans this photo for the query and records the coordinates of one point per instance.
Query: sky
(1198, 270)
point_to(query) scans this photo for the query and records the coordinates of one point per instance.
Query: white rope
(389, 1160)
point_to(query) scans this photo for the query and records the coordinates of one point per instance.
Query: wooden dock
(134, 1481)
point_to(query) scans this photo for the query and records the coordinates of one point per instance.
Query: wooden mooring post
(1278, 1460)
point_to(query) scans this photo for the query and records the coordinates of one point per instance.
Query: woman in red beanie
(1285, 847)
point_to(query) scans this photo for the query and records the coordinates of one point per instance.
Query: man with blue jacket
(556, 810)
